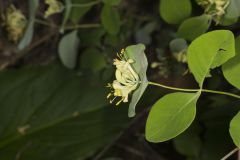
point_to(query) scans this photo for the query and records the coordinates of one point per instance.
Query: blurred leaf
(68, 49)
(175, 11)
(193, 27)
(92, 59)
(112, 2)
(51, 113)
(232, 67)
(228, 21)
(202, 57)
(170, 116)
(143, 35)
(136, 53)
(235, 130)
(28, 35)
(233, 9)
(67, 11)
(76, 12)
(110, 19)
(178, 45)
(91, 37)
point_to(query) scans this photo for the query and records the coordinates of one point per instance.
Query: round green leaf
(170, 116)
(235, 130)
(210, 51)
(232, 67)
(110, 19)
(136, 53)
(178, 45)
(175, 11)
(68, 49)
(193, 27)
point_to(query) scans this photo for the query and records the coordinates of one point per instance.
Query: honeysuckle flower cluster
(15, 23)
(127, 80)
(215, 8)
(54, 6)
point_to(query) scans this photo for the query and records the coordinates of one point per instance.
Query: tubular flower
(215, 8)
(127, 79)
(54, 6)
(15, 22)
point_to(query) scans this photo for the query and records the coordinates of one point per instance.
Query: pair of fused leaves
(174, 113)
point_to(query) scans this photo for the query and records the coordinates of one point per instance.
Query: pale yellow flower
(15, 22)
(127, 79)
(215, 8)
(54, 6)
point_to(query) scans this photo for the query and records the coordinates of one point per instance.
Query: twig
(26, 51)
(230, 154)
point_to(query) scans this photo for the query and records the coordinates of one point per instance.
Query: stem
(77, 26)
(195, 90)
(86, 4)
(230, 154)
(94, 25)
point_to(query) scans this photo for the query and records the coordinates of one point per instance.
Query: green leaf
(233, 9)
(175, 11)
(112, 2)
(67, 12)
(193, 27)
(92, 59)
(235, 130)
(76, 12)
(28, 35)
(110, 19)
(136, 52)
(68, 49)
(232, 67)
(178, 45)
(170, 116)
(53, 113)
(202, 56)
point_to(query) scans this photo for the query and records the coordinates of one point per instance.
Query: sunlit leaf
(231, 68)
(202, 57)
(235, 130)
(170, 116)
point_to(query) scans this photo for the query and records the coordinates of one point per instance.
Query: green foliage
(136, 53)
(54, 114)
(28, 35)
(233, 9)
(232, 67)
(202, 57)
(68, 49)
(193, 27)
(235, 130)
(175, 11)
(110, 19)
(92, 59)
(112, 2)
(170, 116)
